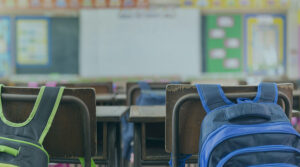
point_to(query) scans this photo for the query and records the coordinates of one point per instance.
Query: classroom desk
(149, 147)
(296, 113)
(296, 99)
(109, 134)
(120, 99)
(110, 99)
(105, 99)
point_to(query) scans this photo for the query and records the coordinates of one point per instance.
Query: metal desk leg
(137, 144)
(111, 138)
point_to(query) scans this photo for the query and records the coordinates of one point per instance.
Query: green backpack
(21, 143)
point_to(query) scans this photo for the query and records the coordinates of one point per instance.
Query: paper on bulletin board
(223, 47)
(32, 38)
(128, 3)
(265, 44)
(101, 3)
(22, 3)
(61, 4)
(188, 3)
(236, 4)
(5, 39)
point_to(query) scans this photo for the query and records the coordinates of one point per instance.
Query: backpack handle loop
(246, 111)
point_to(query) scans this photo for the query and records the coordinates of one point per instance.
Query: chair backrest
(296, 83)
(223, 82)
(192, 112)
(100, 87)
(133, 90)
(65, 138)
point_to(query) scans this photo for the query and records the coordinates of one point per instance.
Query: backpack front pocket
(262, 155)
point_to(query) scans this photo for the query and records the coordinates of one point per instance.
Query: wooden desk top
(105, 97)
(147, 114)
(110, 113)
(296, 92)
(295, 113)
(120, 97)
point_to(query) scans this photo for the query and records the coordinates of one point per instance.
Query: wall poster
(265, 44)
(5, 46)
(223, 46)
(32, 41)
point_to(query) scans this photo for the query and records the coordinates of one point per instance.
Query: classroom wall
(292, 44)
(140, 42)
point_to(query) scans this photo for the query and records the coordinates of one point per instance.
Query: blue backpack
(251, 132)
(147, 97)
(150, 97)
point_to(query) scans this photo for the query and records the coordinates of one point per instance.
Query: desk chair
(185, 114)
(104, 90)
(73, 131)
(148, 132)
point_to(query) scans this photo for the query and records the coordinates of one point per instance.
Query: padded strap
(144, 85)
(266, 93)
(46, 110)
(212, 97)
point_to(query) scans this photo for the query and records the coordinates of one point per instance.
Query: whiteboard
(125, 43)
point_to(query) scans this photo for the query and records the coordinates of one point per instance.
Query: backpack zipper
(28, 143)
(274, 165)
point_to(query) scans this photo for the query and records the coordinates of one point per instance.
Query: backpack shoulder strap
(46, 111)
(212, 97)
(266, 93)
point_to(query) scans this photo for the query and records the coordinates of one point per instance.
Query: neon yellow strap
(82, 162)
(7, 165)
(9, 150)
(50, 120)
(32, 114)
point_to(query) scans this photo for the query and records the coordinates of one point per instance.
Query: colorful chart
(265, 44)
(32, 40)
(5, 39)
(72, 4)
(223, 46)
(236, 4)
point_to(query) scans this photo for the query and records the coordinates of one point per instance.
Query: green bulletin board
(222, 43)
